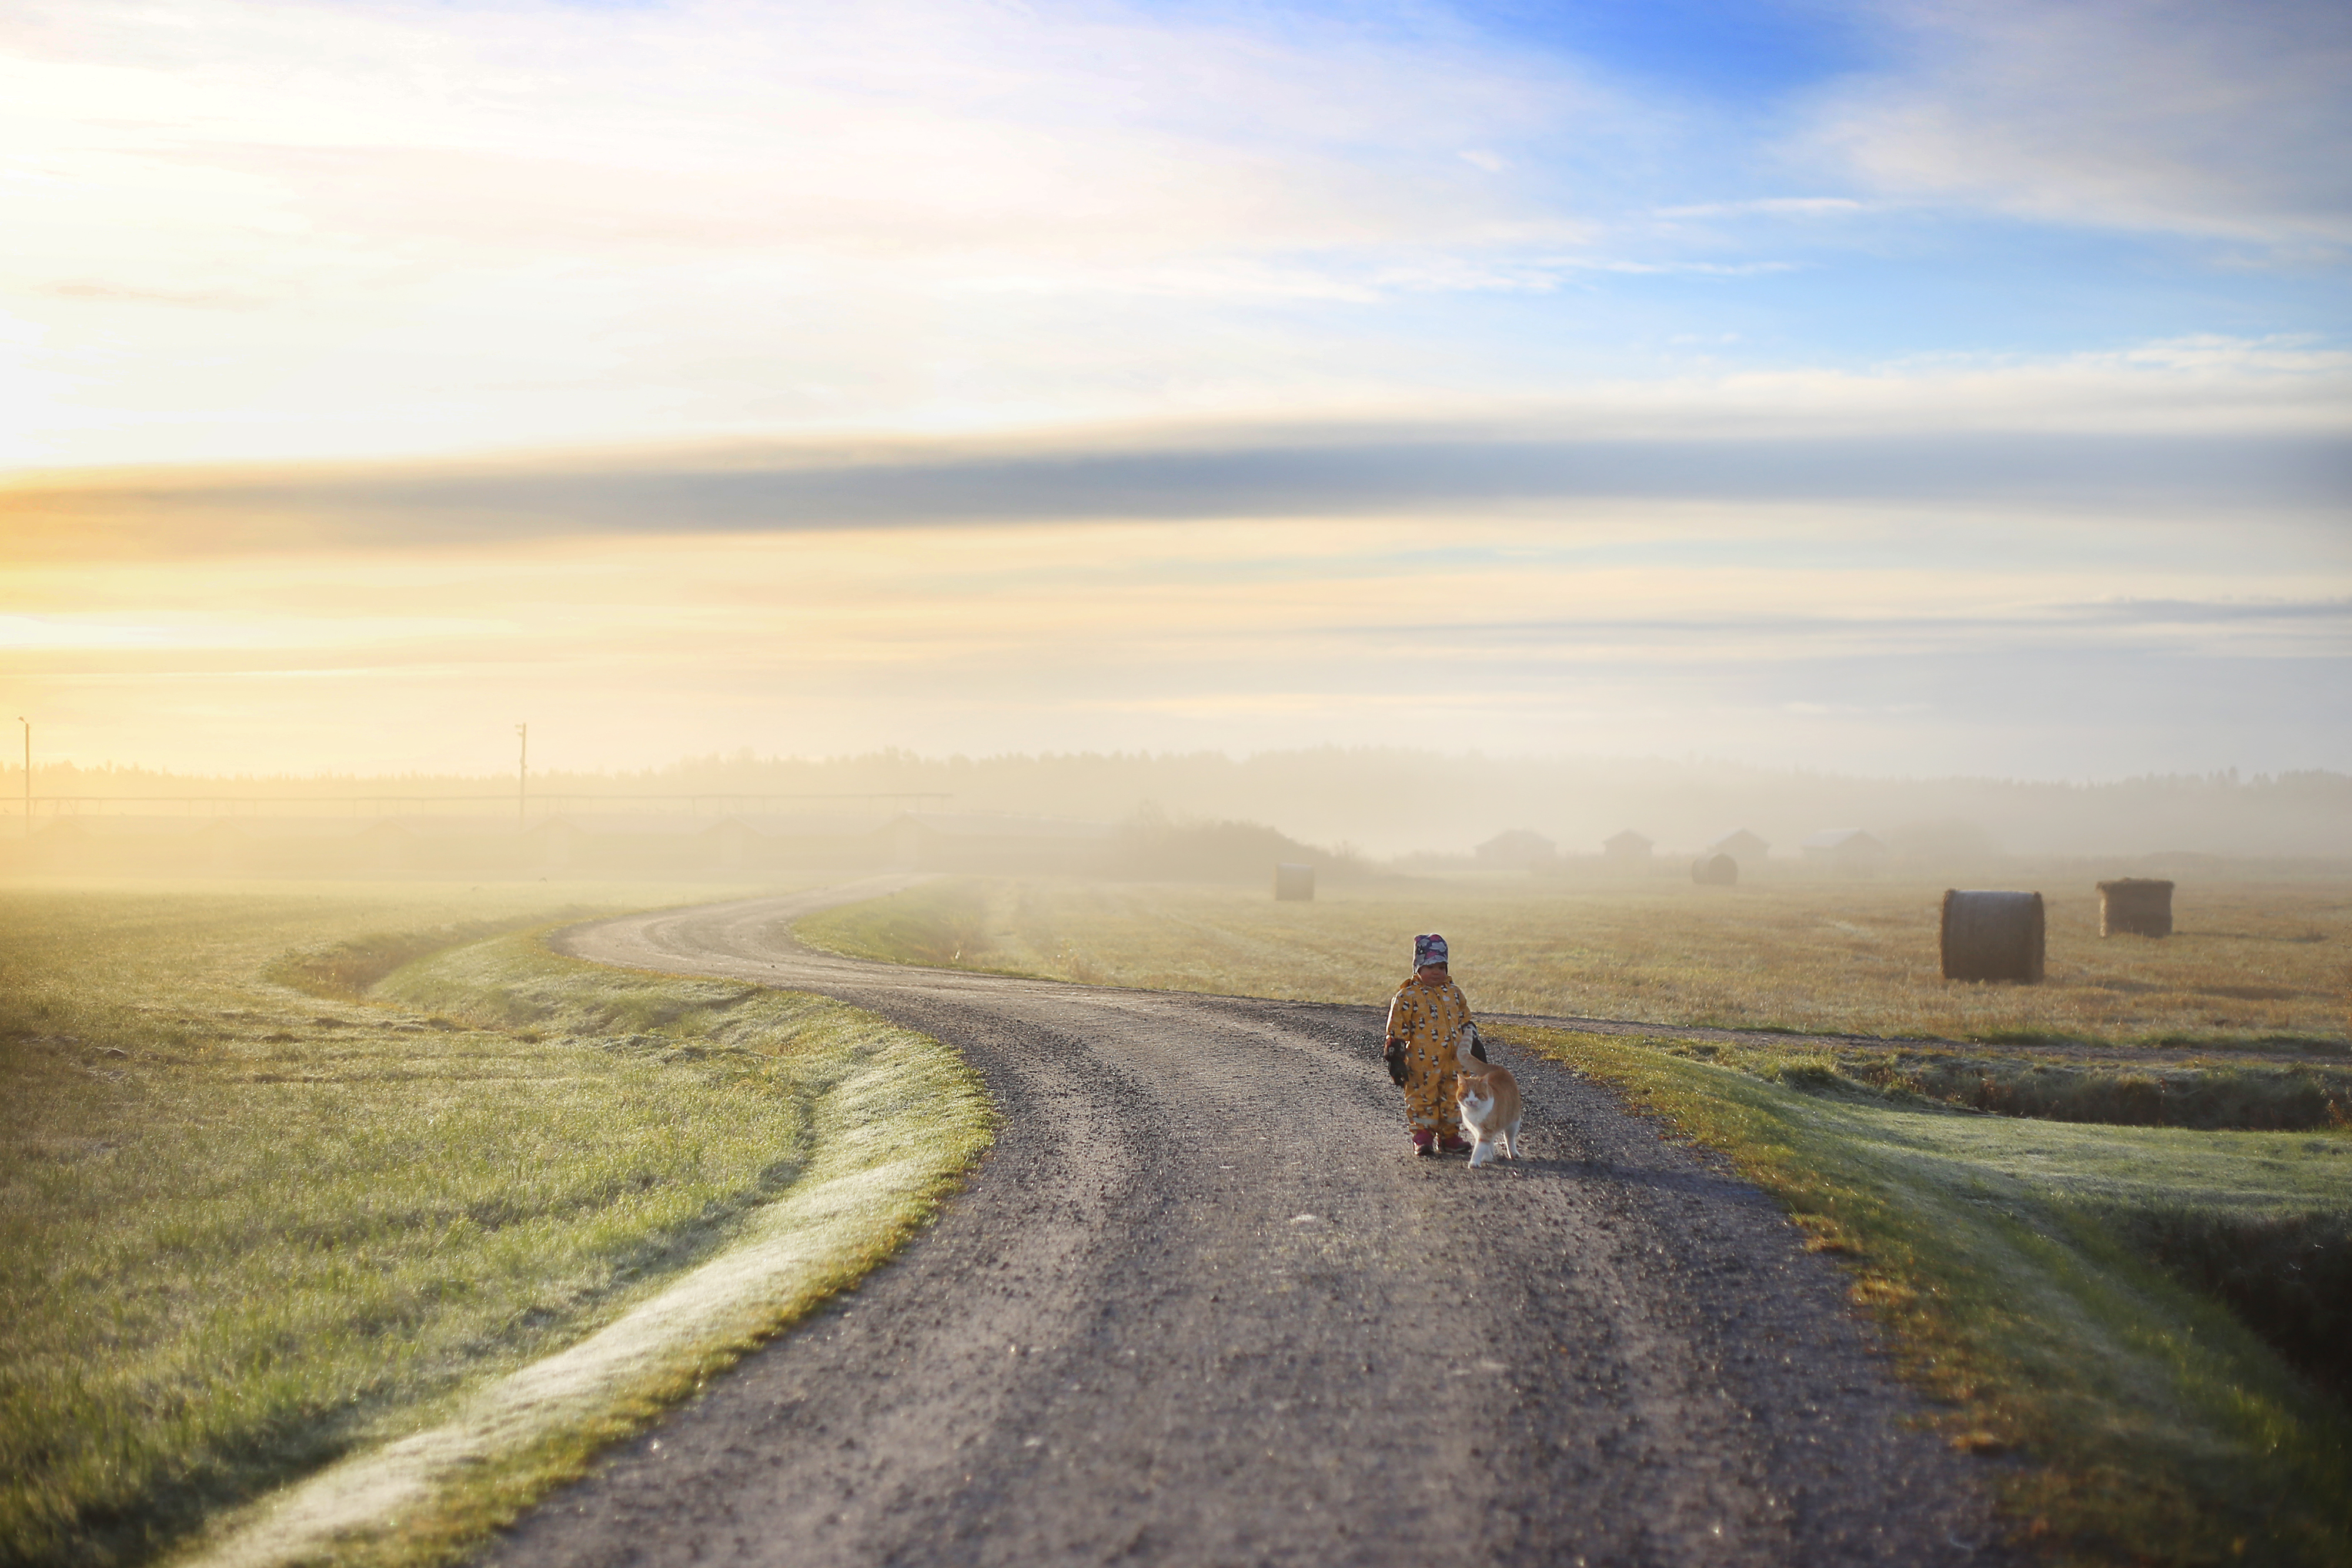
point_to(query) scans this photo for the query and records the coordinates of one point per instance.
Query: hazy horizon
(1383, 802)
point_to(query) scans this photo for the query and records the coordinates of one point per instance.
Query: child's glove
(1394, 1056)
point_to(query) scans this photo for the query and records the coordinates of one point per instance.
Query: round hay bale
(2136, 906)
(1293, 884)
(1714, 871)
(1992, 936)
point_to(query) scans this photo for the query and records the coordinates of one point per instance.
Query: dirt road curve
(1199, 1306)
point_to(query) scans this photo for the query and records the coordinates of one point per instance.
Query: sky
(1891, 387)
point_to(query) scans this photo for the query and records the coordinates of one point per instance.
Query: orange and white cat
(1489, 1098)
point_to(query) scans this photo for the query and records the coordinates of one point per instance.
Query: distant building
(1740, 845)
(1843, 848)
(1517, 847)
(1628, 845)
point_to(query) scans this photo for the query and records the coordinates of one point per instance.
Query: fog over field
(1383, 804)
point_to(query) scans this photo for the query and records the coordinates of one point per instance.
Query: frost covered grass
(2263, 963)
(247, 1233)
(2023, 1268)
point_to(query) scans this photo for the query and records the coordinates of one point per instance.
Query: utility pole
(29, 773)
(522, 772)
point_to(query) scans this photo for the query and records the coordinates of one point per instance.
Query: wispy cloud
(78, 632)
(1769, 206)
(2336, 612)
(257, 229)
(1372, 470)
(882, 134)
(113, 293)
(1587, 623)
(510, 221)
(2224, 121)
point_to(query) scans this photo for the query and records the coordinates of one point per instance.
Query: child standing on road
(1427, 1013)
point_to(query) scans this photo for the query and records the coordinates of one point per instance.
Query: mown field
(286, 1173)
(2126, 1271)
(2247, 962)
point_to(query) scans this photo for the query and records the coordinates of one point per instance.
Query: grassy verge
(2019, 1267)
(2262, 965)
(442, 1243)
(940, 925)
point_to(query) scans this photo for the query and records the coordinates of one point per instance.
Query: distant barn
(1628, 845)
(1740, 845)
(1515, 848)
(1715, 870)
(1848, 850)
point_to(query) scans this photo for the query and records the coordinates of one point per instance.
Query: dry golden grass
(2248, 962)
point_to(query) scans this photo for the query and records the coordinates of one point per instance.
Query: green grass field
(2020, 1267)
(246, 1231)
(2248, 962)
(2151, 1314)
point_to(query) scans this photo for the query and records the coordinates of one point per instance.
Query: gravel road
(1200, 1305)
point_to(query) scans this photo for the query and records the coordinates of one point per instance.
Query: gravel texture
(1200, 1305)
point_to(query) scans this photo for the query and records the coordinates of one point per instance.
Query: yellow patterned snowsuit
(1426, 1018)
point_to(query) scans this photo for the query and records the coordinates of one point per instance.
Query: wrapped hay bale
(1992, 936)
(1293, 884)
(1714, 871)
(2136, 906)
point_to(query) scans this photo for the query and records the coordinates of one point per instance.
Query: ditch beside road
(1199, 1304)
